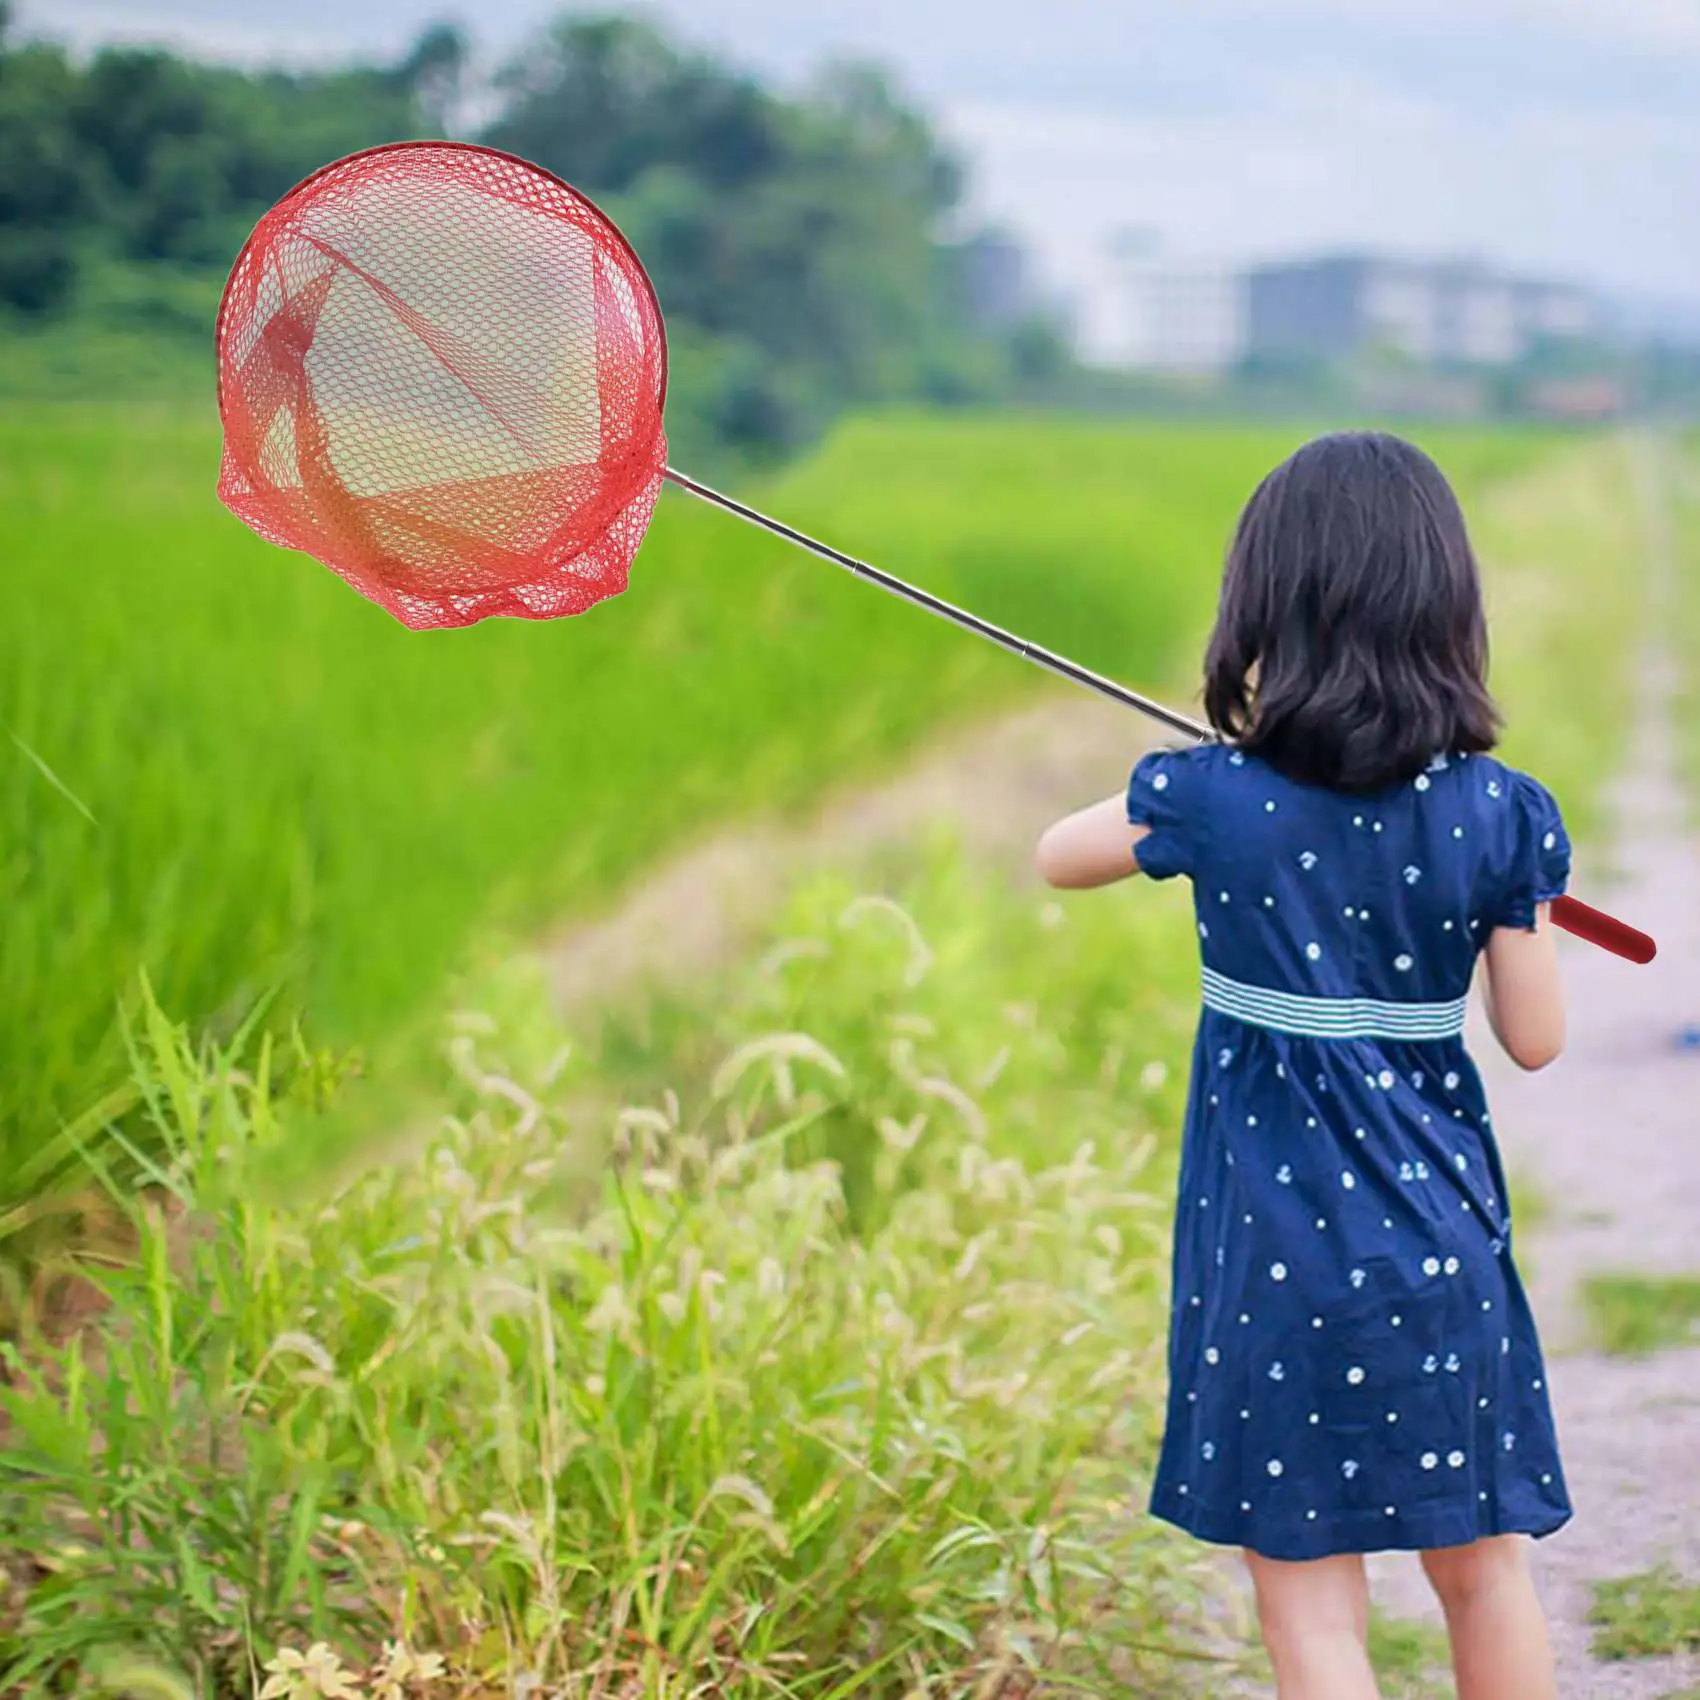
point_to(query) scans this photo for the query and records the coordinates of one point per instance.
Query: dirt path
(995, 786)
(1608, 1135)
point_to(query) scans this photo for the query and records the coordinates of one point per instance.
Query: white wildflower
(318, 1671)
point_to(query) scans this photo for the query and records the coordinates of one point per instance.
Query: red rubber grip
(1597, 927)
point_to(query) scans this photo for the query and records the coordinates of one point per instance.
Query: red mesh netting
(441, 373)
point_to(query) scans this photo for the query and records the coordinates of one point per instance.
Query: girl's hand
(1091, 847)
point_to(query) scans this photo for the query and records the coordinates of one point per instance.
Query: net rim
(271, 215)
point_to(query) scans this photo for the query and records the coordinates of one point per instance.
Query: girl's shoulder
(1213, 774)
(1500, 788)
(1177, 778)
(1180, 759)
(1523, 845)
(1170, 794)
(1187, 773)
(1200, 756)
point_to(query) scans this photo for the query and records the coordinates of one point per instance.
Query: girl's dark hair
(1352, 591)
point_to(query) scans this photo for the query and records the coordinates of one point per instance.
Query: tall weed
(837, 1372)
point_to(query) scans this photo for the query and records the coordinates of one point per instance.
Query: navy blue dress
(1353, 1363)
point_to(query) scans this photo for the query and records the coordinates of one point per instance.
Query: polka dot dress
(1353, 1363)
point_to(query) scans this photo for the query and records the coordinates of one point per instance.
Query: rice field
(221, 767)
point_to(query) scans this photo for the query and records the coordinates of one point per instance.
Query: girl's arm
(1091, 847)
(1523, 993)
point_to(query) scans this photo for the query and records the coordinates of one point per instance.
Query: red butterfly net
(441, 373)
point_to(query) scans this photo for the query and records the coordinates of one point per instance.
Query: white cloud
(1334, 160)
(1662, 24)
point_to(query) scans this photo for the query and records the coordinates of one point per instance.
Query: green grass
(1650, 1613)
(1532, 1205)
(1680, 465)
(836, 1372)
(1531, 1212)
(1564, 552)
(218, 764)
(1412, 1660)
(1634, 1315)
(273, 780)
(138, 333)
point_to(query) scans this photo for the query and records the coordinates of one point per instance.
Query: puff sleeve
(1163, 794)
(1537, 855)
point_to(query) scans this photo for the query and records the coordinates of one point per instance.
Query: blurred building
(1157, 313)
(1653, 323)
(1439, 311)
(996, 280)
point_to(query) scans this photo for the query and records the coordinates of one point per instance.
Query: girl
(1353, 1363)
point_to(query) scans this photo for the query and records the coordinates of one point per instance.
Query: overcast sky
(1559, 137)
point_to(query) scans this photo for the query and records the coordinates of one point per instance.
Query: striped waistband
(1332, 1018)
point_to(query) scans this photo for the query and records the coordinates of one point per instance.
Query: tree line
(794, 239)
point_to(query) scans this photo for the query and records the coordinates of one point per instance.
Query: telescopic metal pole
(1059, 664)
(1568, 912)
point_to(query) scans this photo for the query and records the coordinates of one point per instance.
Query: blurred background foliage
(795, 240)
